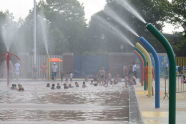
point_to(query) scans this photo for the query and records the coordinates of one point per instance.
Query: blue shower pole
(151, 49)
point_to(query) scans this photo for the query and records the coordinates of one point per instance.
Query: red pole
(142, 67)
(7, 57)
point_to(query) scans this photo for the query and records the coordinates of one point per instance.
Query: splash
(9, 30)
(114, 30)
(44, 31)
(112, 14)
(130, 9)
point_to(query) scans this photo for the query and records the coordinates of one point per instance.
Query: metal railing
(181, 83)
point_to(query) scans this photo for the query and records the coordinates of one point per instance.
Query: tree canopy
(154, 11)
(62, 25)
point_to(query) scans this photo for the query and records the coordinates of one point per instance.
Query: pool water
(39, 104)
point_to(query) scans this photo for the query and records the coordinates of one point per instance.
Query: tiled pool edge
(134, 112)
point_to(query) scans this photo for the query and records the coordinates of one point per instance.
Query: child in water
(53, 86)
(70, 86)
(58, 86)
(92, 82)
(13, 86)
(65, 86)
(20, 87)
(84, 85)
(76, 84)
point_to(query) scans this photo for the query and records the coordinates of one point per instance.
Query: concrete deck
(150, 115)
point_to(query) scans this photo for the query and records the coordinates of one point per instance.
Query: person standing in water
(17, 70)
(54, 71)
(44, 70)
(102, 75)
(134, 70)
(71, 76)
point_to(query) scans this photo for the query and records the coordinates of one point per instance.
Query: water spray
(131, 10)
(111, 13)
(116, 31)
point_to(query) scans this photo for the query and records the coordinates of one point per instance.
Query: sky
(20, 9)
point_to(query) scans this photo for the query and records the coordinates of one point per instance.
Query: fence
(181, 83)
(181, 61)
(79, 65)
(27, 66)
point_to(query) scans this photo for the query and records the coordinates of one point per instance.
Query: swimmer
(70, 86)
(115, 81)
(112, 82)
(92, 82)
(58, 86)
(53, 86)
(84, 85)
(13, 86)
(65, 86)
(76, 84)
(20, 87)
(95, 84)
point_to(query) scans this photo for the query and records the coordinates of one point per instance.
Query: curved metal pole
(151, 49)
(139, 46)
(11, 54)
(172, 71)
(142, 66)
(48, 66)
(145, 63)
(7, 58)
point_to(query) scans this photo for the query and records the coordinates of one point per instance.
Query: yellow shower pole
(147, 55)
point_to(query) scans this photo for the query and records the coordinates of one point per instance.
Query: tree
(8, 29)
(153, 11)
(66, 26)
(177, 17)
(179, 13)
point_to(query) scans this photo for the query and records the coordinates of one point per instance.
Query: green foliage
(67, 31)
(178, 17)
(66, 26)
(153, 11)
(179, 13)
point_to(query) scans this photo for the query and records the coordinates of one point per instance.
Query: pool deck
(150, 115)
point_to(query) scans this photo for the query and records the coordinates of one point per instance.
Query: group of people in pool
(94, 82)
(65, 85)
(18, 87)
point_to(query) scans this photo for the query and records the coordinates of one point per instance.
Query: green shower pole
(172, 71)
(145, 63)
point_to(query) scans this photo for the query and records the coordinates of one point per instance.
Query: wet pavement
(41, 105)
(150, 115)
